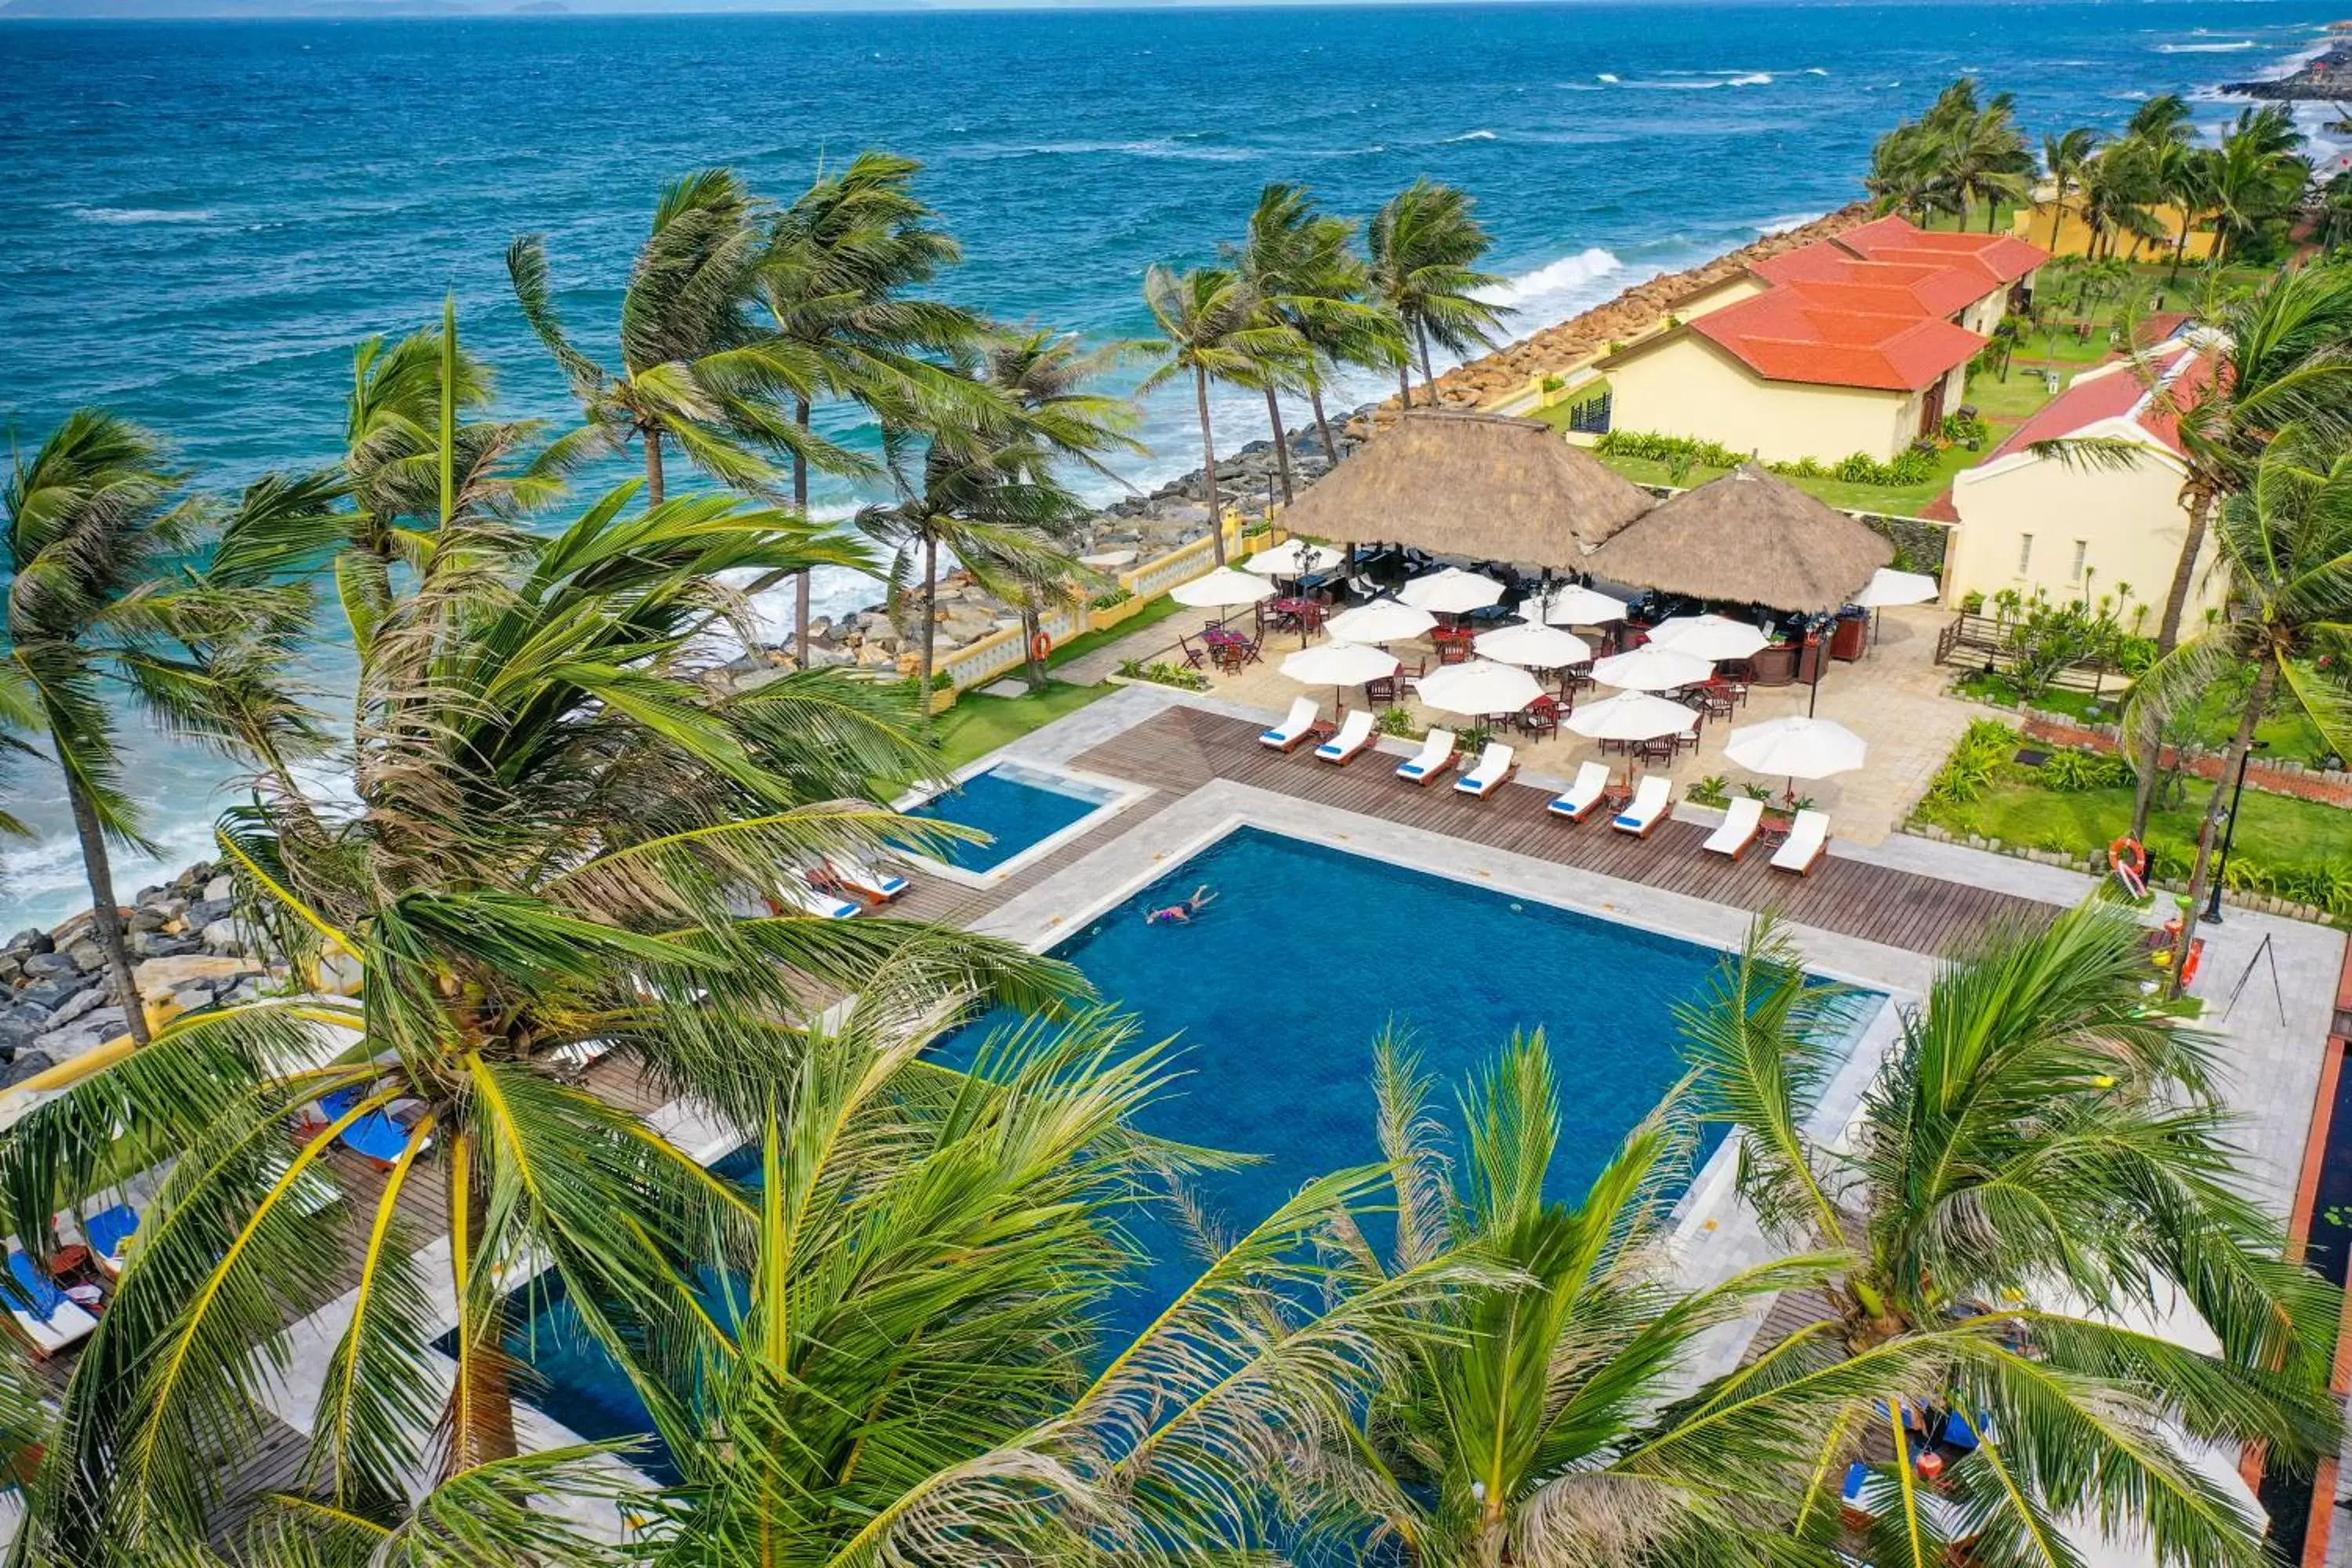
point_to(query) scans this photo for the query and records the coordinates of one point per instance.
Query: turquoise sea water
(202, 218)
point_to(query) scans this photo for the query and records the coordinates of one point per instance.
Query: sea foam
(143, 214)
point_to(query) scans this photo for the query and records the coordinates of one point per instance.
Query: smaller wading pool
(1021, 808)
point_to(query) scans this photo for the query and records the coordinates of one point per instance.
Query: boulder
(31, 940)
(221, 936)
(12, 968)
(192, 998)
(87, 1034)
(160, 944)
(27, 1065)
(161, 976)
(204, 912)
(244, 991)
(51, 993)
(87, 955)
(78, 1005)
(220, 889)
(150, 917)
(20, 1024)
(51, 966)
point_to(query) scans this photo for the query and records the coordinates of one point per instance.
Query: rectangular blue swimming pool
(1277, 990)
(1018, 807)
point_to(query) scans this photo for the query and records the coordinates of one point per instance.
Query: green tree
(844, 261)
(1213, 327)
(1984, 160)
(555, 830)
(2284, 554)
(99, 535)
(1426, 244)
(2255, 179)
(2038, 1145)
(2065, 158)
(2162, 121)
(2119, 190)
(694, 369)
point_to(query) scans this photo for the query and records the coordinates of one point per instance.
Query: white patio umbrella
(1451, 592)
(1708, 637)
(1338, 664)
(1654, 666)
(1579, 607)
(1478, 687)
(1292, 558)
(1221, 589)
(1887, 586)
(1796, 749)
(1631, 716)
(1382, 620)
(1533, 647)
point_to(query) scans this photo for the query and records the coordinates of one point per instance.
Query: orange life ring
(2128, 851)
(1040, 646)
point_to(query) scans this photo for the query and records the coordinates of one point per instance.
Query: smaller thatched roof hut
(1751, 537)
(1487, 486)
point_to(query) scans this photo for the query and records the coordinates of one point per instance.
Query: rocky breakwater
(2326, 77)
(56, 1000)
(1139, 527)
(1491, 378)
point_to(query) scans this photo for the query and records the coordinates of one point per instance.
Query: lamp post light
(2229, 835)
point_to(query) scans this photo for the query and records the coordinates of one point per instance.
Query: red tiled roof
(1822, 335)
(1938, 287)
(2002, 258)
(2117, 393)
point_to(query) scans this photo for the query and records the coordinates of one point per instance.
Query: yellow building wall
(1684, 386)
(2040, 225)
(2125, 525)
(1730, 292)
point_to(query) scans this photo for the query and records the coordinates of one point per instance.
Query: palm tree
(1984, 159)
(1545, 1418)
(1211, 328)
(2182, 173)
(555, 829)
(1425, 247)
(1903, 175)
(842, 262)
(2162, 121)
(95, 522)
(2038, 1141)
(2333, 230)
(2065, 158)
(2255, 178)
(913, 1367)
(1302, 267)
(694, 369)
(2283, 552)
(2118, 189)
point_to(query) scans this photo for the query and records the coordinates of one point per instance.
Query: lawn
(1084, 643)
(2286, 737)
(977, 724)
(1902, 501)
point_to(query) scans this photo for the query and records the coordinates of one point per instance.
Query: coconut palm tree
(1213, 327)
(557, 828)
(694, 369)
(98, 527)
(913, 1366)
(1548, 1417)
(2034, 1171)
(1902, 174)
(1426, 244)
(2283, 552)
(1302, 266)
(2065, 158)
(2120, 189)
(2162, 120)
(842, 263)
(2255, 178)
(2332, 228)
(1983, 160)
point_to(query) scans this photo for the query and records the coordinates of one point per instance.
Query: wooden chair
(1540, 717)
(1193, 658)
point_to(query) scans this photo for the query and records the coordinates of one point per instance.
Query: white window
(2082, 558)
(2024, 554)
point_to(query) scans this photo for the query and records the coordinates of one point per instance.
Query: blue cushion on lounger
(38, 1292)
(108, 1229)
(375, 1135)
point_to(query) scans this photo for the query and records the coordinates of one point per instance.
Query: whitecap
(1607, 77)
(2204, 48)
(143, 214)
(1753, 79)
(1472, 136)
(1815, 70)
(1782, 223)
(1568, 275)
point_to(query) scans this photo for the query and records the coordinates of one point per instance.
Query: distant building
(2076, 530)
(1857, 343)
(2066, 232)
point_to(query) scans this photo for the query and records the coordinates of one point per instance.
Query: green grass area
(1079, 646)
(2012, 401)
(2286, 737)
(1556, 416)
(1900, 500)
(978, 725)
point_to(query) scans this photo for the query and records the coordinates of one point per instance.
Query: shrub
(1965, 428)
(1712, 790)
(1110, 599)
(1652, 446)
(2070, 771)
(1978, 761)
(1552, 383)
(1165, 674)
(1972, 602)
(1395, 721)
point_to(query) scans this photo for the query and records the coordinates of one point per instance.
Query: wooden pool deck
(1183, 749)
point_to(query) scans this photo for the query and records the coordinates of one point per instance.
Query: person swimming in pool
(1181, 914)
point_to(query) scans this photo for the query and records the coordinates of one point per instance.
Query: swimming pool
(1020, 808)
(1276, 992)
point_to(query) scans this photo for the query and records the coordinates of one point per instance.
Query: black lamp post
(2229, 835)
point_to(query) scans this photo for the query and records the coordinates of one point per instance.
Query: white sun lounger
(46, 1319)
(1494, 766)
(1355, 735)
(1294, 727)
(1741, 820)
(1436, 756)
(815, 901)
(1578, 800)
(867, 880)
(1653, 802)
(1808, 837)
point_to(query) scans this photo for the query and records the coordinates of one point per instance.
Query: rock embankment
(56, 1000)
(2326, 77)
(1485, 380)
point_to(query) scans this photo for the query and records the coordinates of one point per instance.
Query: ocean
(203, 218)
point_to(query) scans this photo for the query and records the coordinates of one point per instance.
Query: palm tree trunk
(2184, 571)
(482, 1426)
(653, 467)
(1032, 624)
(930, 615)
(1323, 428)
(1404, 382)
(1209, 464)
(799, 505)
(2150, 765)
(105, 914)
(2215, 809)
(1428, 377)
(1281, 444)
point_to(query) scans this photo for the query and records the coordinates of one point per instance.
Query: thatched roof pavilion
(1751, 537)
(1487, 486)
